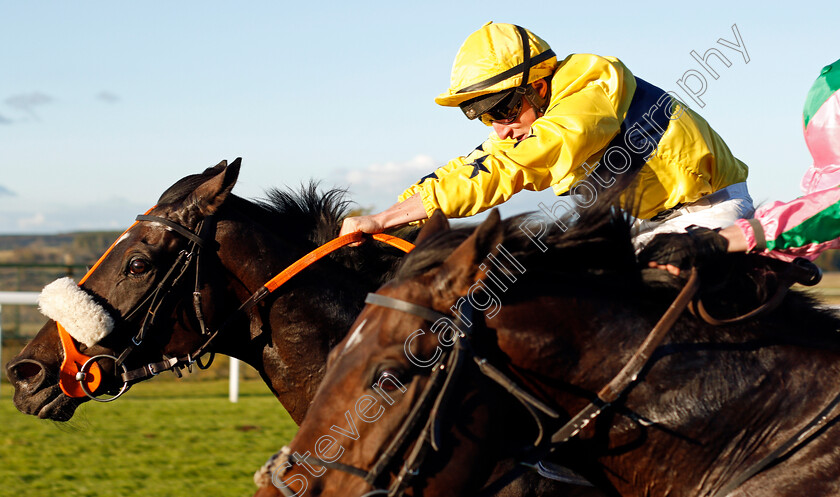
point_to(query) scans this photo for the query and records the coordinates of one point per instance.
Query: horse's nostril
(24, 371)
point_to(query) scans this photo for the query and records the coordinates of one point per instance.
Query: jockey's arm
(735, 236)
(407, 211)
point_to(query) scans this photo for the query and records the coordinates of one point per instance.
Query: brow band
(175, 226)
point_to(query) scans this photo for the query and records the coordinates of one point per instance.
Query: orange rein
(73, 359)
(328, 248)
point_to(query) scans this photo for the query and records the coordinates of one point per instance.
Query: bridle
(153, 302)
(447, 369)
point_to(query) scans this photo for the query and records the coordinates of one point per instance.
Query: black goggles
(504, 112)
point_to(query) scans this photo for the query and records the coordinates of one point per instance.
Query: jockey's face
(520, 128)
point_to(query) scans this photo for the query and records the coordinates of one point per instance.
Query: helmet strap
(526, 53)
(537, 101)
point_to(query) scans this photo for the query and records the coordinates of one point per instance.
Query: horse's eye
(390, 380)
(138, 266)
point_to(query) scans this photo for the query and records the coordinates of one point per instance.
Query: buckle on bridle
(167, 364)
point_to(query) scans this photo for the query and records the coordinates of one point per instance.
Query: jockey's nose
(503, 131)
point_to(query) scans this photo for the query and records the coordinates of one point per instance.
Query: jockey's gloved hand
(684, 250)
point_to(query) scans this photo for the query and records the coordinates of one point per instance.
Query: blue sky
(103, 105)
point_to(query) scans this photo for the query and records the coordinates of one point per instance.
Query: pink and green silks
(810, 224)
(821, 123)
(804, 227)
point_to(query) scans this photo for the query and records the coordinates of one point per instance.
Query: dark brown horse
(286, 337)
(201, 237)
(483, 337)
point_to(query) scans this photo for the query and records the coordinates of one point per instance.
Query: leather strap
(407, 307)
(801, 437)
(629, 373)
(173, 226)
(149, 370)
(758, 234)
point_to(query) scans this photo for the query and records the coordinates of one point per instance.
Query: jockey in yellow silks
(572, 125)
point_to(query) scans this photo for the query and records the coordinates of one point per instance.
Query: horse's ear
(436, 224)
(460, 270)
(208, 196)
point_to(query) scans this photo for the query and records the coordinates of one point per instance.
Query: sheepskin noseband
(85, 320)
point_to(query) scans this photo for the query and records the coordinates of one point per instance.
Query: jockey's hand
(401, 213)
(365, 224)
(674, 252)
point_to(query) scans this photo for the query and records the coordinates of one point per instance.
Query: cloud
(380, 184)
(107, 97)
(5, 120)
(27, 102)
(5, 192)
(32, 223)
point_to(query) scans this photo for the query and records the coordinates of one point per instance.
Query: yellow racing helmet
(494, 59)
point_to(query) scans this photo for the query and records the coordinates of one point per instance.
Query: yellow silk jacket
(600, 120)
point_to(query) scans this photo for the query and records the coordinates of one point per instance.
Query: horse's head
(401, 392)
(133, 315)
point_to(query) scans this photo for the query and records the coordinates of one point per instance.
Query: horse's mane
(308, 210)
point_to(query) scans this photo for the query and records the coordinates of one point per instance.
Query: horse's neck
(291, 335)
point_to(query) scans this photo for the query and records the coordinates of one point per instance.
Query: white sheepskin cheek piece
(85, 320)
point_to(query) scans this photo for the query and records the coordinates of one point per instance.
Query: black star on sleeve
(428, 176)
(478, 165)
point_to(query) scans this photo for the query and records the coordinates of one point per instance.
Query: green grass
(162, 438)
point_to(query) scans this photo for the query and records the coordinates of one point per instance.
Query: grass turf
(161, 439)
